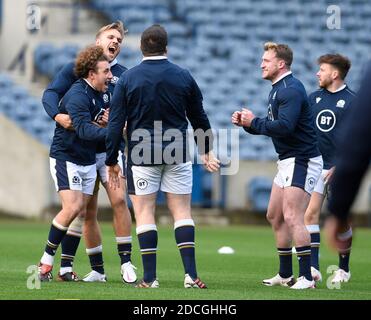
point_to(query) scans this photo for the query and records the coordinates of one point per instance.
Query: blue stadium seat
(18, 93)
(258, 193)
(70, 50)
(57, 63)
(5, 81)
(6, 105)
(26, 111)
(22, 113)
(42, 55)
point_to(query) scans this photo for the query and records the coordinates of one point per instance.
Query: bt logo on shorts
(326, 120)
(142, 184)
(76, 180)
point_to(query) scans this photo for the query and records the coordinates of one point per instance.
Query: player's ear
(91, 73)
(335, 74)
(281, 64)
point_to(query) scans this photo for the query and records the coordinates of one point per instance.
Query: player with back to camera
(158, 91)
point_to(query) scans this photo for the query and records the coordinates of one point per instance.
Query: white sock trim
(74, 230)
(74, 233)
(47, 259)
(59, 226)
(313, 228)
(183, 222)
(95, 250)
(346, 235)
(148, 249)
(76, 224)
(124, 239)
(146, 227)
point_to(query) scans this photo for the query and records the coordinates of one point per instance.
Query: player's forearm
(204, 141)
(113, 141)
(250, 130)
(91, 132)
(50, 101)
(114, 138)
(202, 125)
(274, 129)
(198, 117)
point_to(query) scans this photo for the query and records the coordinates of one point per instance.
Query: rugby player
(73, 152)
(290, 124)
(110, 38)
(155, 97)
(331, 104)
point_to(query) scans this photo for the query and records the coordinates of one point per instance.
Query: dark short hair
(87, 60)
(283, 51)
(153, 41)
(338, 61)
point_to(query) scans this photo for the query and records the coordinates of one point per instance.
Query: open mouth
(112, 50)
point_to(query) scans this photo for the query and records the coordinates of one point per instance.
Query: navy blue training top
(290, 121)
(78, 146)
(330, 108)
(63, 81)
(161, 91)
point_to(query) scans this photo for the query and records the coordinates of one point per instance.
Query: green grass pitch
(236, 277)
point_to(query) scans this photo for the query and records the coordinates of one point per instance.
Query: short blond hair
(283, 51)
(118, 25)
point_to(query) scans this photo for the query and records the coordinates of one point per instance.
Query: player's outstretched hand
(329, 175)
(236, 118)
(64, 120)
(105, 116)
(114, 176)
(246, 117)
(211, 163)
(333, 228)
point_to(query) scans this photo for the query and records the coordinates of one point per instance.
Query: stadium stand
(25, 110)
(258, 193)
(220, 42)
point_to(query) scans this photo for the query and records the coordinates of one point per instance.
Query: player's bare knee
(269, 218)
(73, 210)
(274, 222)
(90, 215)
(311, 218)
(291, 219)
(82, 213)
(118, 205)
